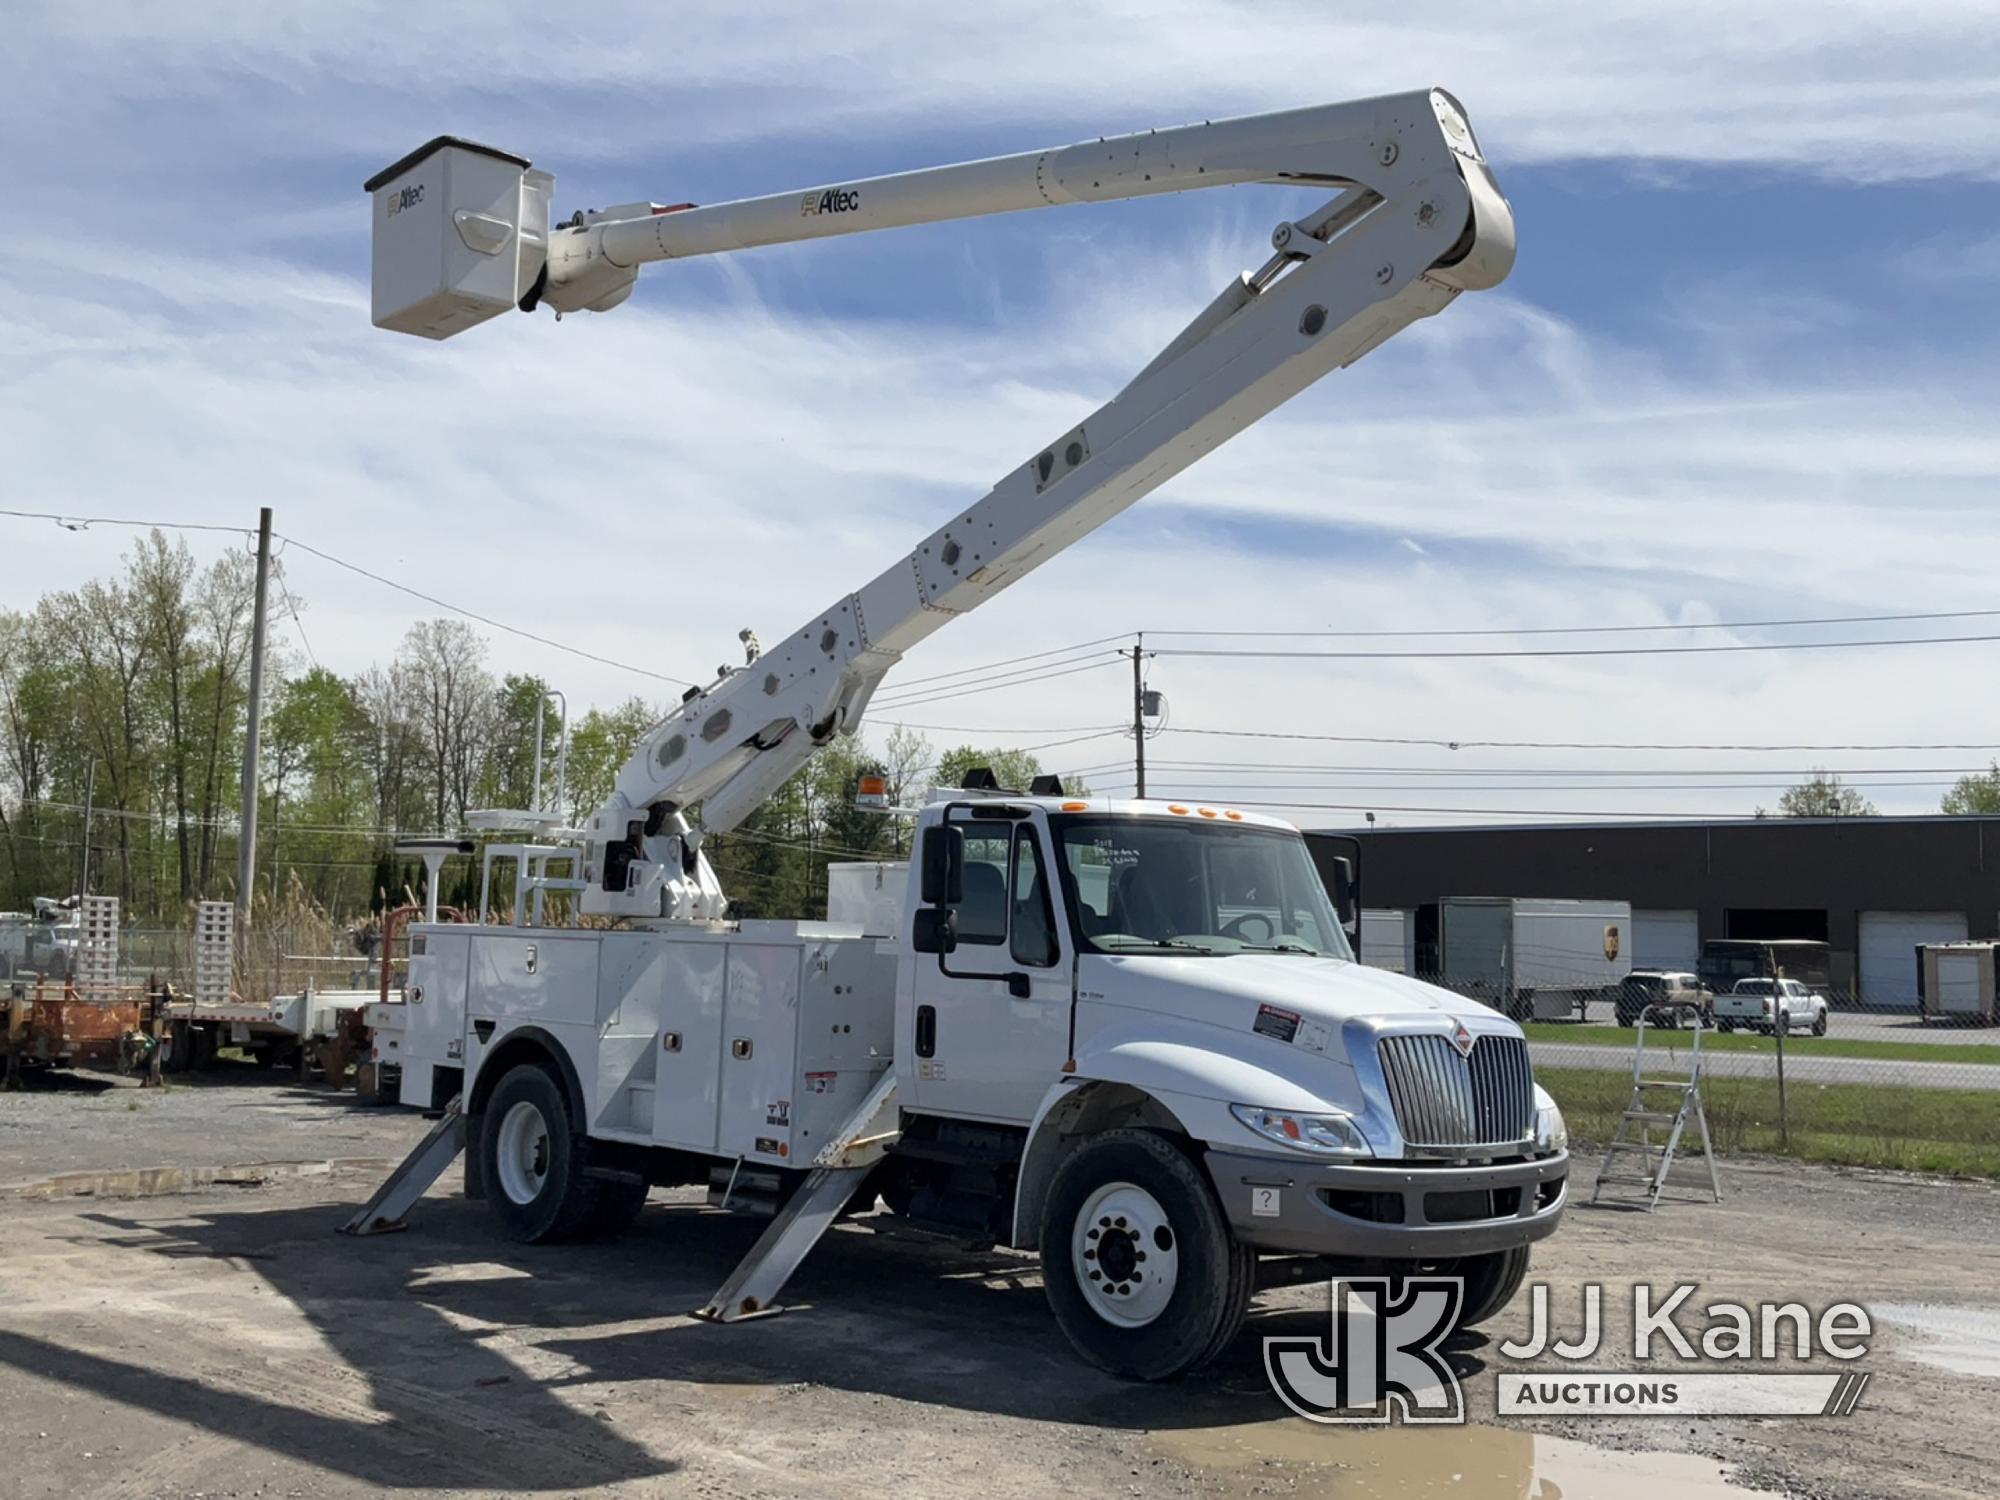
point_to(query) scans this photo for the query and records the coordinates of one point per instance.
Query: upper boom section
(462, 231)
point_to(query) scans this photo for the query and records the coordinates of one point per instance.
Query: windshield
(1151, 885)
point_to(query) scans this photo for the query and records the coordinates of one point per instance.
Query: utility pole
(246, 849)
(1139, 714)
(89, 806)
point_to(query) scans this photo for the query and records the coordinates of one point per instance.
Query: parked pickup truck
(1750, 1004)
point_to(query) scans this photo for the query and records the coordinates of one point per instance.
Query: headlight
(1324, 1135)
(1551, 1132)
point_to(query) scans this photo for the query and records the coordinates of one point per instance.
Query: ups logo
(1611, 943)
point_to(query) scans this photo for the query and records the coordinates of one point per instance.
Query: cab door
(990, 1026)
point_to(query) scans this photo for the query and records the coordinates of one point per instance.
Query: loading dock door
(1888, 951)
(1665, 940)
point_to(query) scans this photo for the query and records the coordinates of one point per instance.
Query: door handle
(1019, 985)
(926, 1031)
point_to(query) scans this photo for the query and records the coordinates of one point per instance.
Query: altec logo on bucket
(1382, 1359)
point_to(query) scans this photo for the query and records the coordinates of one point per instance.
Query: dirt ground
(224, 1342)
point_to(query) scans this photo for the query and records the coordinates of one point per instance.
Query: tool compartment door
(690, 1052)
(760, 1051)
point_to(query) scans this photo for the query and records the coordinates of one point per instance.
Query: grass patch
(1798, 1044)
(1953, 1131)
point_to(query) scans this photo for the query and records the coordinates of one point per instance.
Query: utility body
(1132, 1035)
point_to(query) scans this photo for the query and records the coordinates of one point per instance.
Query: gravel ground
(225, 1343)
(78, 1122)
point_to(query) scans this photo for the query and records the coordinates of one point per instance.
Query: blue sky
(1743, 369)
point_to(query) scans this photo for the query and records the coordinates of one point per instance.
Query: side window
(982, 915)
(1034, 923)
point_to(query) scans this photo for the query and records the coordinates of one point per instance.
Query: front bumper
(1392, 1211)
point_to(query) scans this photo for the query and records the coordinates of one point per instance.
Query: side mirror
(944, 866)
(934, 929)
(1343, 890)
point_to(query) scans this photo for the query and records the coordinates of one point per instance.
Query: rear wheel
(1141, 1270)
(537, 1166)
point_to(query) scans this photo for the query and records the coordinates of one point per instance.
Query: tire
(1819, 1024)
(536, 1164)
(618, 1204)
(1490, 1283)
(1491, 1280)
(1102, 1198)
(1723, 1023)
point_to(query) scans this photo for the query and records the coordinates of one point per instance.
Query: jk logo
(1380, 1361)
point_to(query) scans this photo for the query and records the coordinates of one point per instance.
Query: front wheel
(1491, 1280)
(1141, 1270)
(1819, 1024)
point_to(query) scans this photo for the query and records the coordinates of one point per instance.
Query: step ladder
(385, 1212)
(1634, 1159)
(838, 1170)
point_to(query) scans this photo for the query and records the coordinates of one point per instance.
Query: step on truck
(1129, 1035)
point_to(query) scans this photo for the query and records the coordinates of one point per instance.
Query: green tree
(510, 759)
(1975, 794)
(1822, 795)
(1013, 769)
(600, 744)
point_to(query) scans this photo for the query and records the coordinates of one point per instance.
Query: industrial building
(1872, 888)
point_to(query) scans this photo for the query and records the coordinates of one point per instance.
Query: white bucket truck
(1131, 1035)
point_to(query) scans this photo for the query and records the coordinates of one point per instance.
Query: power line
(1506, 812)
(84, 523)
(1473, 744)
(486, 620)
(910, 682)
(1950, 614)
(1734, 646)
(291, 605)
(1280, 768)
(994, 687)
(1019, 677)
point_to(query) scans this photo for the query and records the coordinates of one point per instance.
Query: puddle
(1963, 1340)
(1450, 1463)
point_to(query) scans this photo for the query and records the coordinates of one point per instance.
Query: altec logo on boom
(832, 201)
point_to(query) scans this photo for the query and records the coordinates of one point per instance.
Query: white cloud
(1887, 89)
(644, 484)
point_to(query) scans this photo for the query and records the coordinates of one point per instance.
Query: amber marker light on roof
(1074, 806)
(1206, 812)
(1233, 815)
(1175, 807)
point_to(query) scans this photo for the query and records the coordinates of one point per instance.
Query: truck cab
(1188, 960)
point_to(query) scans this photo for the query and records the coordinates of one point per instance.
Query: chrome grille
(1443, 1099)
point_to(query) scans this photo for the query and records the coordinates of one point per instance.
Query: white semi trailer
(1131, 1035)
(1532, 957)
